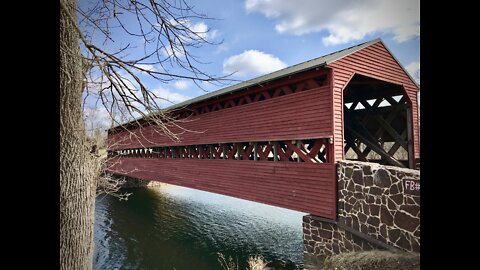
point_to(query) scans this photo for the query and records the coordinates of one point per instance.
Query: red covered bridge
(275, 139)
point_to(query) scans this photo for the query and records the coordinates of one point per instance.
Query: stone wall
(378, 207)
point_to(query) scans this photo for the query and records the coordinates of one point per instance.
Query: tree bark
(78, 168)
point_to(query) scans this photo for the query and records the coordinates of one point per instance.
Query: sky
(261, 36)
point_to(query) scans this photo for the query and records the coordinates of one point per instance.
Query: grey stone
(317, 238)
(392, 206)
(393, 235)
(355, 224)
(374, 210)
(369, 198)
(375, 190)
(350, 186)
(384, 200)
(352, 200)
(374, 221)
(404, 243)
(381, 178)
(368, 181)
(335, 248)
(411, 209)
(405, 221)
(348, 207)
(411, 201)
(362, 217)
(398, 198)
(381, 238)
(348, 221)
(325, 234)
(348, 172)
(394, 190)
(367, 170)
(316, 223)
(359, 196)
(416, 199)
(385, 216)
(357, 177)
(364, 229)
(415, 246)
(383, 230)
(341, 205)
(341, 184)
(348, 245)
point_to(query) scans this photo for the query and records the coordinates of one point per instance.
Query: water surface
(171, 227)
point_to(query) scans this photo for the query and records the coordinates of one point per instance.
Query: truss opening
(376, 122)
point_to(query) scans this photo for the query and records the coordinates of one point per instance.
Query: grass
(373, 260)
(254, 263)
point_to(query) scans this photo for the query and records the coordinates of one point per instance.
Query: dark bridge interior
(377, 124)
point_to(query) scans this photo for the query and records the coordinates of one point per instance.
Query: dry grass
(373, 260)
(254, 262)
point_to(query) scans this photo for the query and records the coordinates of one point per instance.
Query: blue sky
(261, 36)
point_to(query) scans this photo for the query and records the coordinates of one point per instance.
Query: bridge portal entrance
(377, 122)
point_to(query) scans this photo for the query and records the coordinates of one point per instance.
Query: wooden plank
(411, 157)
(375, 147)
(397, 137)
(297, 186)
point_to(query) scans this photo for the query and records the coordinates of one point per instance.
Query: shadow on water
(171, 227)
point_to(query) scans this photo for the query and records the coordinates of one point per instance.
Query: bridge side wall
(305, 187)
(302, 115)
(378, 207)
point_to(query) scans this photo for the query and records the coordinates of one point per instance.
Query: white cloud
(414, 70)
(181, 85)
(252, 62)
(166, 97)
(199, 29)
(344, 21)
(146, 67)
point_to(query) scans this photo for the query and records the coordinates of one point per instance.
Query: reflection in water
(171, 227)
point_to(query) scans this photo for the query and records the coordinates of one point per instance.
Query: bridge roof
(307, 65)
(304, 66)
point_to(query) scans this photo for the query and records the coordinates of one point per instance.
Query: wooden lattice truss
(308, 150)
(376, 128)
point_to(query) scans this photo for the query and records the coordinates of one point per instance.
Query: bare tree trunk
(77, 167)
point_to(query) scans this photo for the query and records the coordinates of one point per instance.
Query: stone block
(357, 177)
(381, 178)
(405, 221)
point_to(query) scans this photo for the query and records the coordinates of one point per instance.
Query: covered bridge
(276, 139)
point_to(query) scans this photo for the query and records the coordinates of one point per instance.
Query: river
(171, 227)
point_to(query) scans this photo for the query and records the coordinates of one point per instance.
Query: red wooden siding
(298, 186)
(299, 115)
(374, 61)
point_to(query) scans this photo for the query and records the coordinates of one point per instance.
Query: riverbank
(373, 260)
